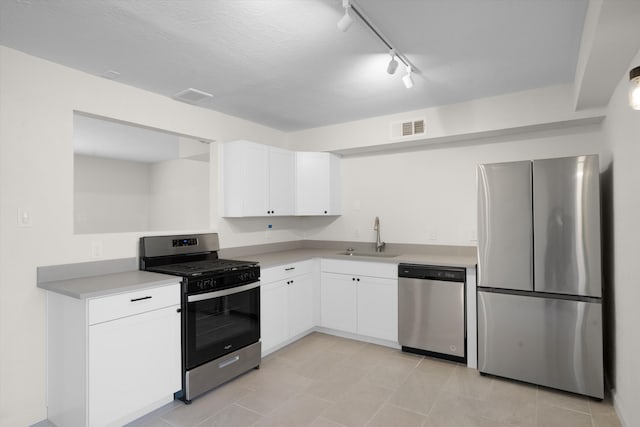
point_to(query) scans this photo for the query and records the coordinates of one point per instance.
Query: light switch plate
(24, 217)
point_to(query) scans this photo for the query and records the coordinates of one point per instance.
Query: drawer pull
(289, 269)
(228, 362)
(141, 298)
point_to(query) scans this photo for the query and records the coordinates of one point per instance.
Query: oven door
(220, 322)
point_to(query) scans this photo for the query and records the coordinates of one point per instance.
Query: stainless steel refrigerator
(539, 273)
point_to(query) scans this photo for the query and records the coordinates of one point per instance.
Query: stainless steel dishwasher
(431, 311)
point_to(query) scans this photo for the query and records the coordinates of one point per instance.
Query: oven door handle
(222, 293)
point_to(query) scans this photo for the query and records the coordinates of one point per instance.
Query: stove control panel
(223, 281)
(178, 243)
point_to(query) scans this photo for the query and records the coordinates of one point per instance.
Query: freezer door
(505, 226)
(566, 214)
(551, 342)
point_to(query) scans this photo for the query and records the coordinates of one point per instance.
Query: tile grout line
(535, 419)
(388, 399)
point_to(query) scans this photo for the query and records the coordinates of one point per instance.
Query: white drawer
(285, 271)
(129, 303)
(361, 268)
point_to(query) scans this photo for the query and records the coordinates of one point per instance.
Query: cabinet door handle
(289, 268)
(141, 298)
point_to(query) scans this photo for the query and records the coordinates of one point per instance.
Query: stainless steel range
(220, 308)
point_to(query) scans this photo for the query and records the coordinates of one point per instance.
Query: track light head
(408, 79)
(345, 22)
(634, 88)
(393, 63)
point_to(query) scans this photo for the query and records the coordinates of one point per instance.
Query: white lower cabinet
(356, 297)
(286, 303)
(338, 302)
(112, 359)
(133, 363)
(300, 304)
(274, 323)
(352, 301)
(378, 308)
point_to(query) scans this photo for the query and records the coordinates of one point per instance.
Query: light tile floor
(327, 381)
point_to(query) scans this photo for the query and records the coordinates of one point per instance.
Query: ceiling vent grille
(407, 129)
(192, 96)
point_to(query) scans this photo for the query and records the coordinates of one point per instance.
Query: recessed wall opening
(130, 178)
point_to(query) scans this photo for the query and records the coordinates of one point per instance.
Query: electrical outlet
(96, 249)
(433, 235)
(356, 232)
(267, 232)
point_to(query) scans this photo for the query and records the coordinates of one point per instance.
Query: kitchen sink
(371, 254)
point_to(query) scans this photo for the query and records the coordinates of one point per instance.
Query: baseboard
(357, 337)
(333, 332)
(619, 408)
(266, 352)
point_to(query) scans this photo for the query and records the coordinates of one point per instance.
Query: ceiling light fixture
(345, 22)
(634, 88)
(393, 63)
(407, 79)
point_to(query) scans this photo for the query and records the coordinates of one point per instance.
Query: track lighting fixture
(393, 63)
(407, 79)
(634, 88)
(345, 22)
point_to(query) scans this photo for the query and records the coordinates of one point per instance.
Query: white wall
(622, 132)
(550, 107)
(107, 202)
(429, 196)
(36, 172)
(179, 195)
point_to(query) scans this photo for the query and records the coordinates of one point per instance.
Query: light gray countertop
(273, 259)
(96, 279)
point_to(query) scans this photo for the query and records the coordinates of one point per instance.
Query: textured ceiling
(283, 63)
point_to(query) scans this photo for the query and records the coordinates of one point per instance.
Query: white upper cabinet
(258, 180)
(281, 181)
(317, 184)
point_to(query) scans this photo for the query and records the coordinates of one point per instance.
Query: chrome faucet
(376, 227)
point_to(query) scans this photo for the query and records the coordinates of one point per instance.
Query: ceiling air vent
(192, 96)
(407, 129)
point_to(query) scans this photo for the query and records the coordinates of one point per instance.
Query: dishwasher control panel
(416, 271)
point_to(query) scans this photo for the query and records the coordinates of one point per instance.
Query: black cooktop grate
(198, 268)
